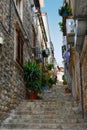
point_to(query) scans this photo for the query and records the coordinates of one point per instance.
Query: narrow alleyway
(56, 110)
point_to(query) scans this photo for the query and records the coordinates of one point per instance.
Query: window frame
(18, 47)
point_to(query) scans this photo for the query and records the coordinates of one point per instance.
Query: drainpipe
(82, 101)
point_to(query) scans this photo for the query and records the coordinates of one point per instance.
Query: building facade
(77, 41)
(49, 42)
(22, 36)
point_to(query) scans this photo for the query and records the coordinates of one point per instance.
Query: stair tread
(55, 111)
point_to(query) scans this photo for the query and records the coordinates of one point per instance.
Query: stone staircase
(56, 111)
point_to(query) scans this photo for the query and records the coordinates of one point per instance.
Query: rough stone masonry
(12, 88)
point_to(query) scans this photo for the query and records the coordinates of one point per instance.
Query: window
(34, 36)
(19, 47)
(19, 5)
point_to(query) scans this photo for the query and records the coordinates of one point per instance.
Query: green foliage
(64, 79)
(65, 9)
(51, 81)
(47, 80)
(67, 87)
(44, 79)
(61, 26)
(50, 66)
(33, 76)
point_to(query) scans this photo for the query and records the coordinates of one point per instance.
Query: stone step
(45, 129)
(48, 116)
(41, 113)
(44, 119)
(50, 108)
(62, 126)
(66, 96)
(49, 102)
(55, 104)
(56, 111)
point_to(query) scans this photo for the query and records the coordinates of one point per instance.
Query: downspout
(82, 101)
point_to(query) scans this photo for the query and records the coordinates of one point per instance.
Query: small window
(19, 6)
(19, 47)
(34, 37)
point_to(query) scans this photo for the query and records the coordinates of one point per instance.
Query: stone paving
(56, 111)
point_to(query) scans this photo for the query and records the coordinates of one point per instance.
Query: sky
(51, 7)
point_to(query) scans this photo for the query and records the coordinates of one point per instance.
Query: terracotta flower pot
(32, 95)
(67, 91)
(64, 83)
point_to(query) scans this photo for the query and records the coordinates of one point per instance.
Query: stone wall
(84, 75)
(77, 77)
(74, 71)
(12, 87)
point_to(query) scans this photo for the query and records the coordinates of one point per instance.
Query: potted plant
(64, 80)
(45, 81)
(65, 10)
(33, 78)
(67, 89)
(51, 81)
(61, 26)
(50, 66)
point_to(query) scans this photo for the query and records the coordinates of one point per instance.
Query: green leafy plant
(65, 10)
(64, 80)
(44, 79)
(47, 80)
(52, 81)
(33, 77)
(68, 89)
(61, 26)
(50, 66)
